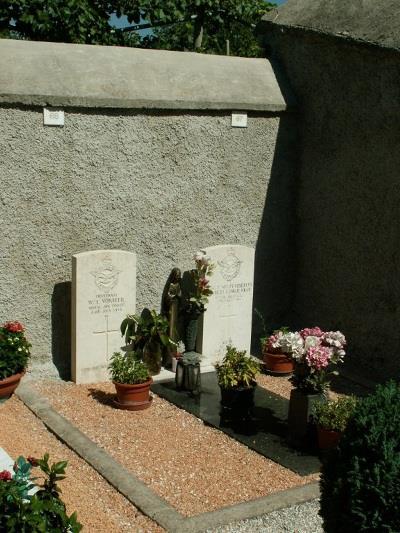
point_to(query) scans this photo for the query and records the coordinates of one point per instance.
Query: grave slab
(103, 293)
(265, 431)
(229, 312)
(6, 463)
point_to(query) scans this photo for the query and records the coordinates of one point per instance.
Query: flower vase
(188, 377)
(301, 430)
(175, 363)
(191, 334)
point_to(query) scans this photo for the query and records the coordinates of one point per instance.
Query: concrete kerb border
(139, 494)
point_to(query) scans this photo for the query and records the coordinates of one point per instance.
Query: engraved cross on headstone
(106, 332)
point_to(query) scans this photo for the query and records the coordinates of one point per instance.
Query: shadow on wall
(274, 270)
(61, 328)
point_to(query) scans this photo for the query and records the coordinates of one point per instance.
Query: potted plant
(315, 353)
(236, 378)
(277, 351)
(28, 507)
(147, 334)
(132, 381)
(14, 357)
(331, 419)
(198, 297)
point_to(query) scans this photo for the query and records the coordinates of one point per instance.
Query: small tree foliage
(70, 21)
(360, 480)
(201, 25)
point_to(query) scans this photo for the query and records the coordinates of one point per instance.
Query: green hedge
(360, 480)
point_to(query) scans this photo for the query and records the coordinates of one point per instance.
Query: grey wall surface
(348, 232)
(161, 184)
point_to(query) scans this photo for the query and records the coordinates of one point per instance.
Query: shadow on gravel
(106, 398)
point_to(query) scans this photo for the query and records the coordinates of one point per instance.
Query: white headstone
(229, 312)
(103, 293)
(6, 463)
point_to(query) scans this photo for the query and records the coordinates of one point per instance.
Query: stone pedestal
(301, 430)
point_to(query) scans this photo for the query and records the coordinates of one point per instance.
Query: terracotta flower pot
(8, 385)
(328, 439)
(278, 363)
(133, 397)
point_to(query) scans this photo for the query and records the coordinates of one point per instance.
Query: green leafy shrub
(44, 511)
(128, 368)
(360, 480)
(236, 369)
(14, 349)
(334, 415)
(148, 335)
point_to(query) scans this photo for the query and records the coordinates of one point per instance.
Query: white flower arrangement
(180, 347)
(292, 344)
(337, 342)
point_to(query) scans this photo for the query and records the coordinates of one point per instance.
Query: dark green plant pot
(238, 398)
(301, 429)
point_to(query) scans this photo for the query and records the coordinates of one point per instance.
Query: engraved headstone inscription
(229, 312)
(103, 293)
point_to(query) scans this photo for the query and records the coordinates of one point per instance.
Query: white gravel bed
(302, 518)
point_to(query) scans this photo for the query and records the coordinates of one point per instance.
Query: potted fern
(236, 378)
(132, 381)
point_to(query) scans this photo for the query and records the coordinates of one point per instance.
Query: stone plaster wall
(348, 230)
(158, 184)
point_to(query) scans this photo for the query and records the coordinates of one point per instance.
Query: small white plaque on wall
(239, 120)
(53, 117)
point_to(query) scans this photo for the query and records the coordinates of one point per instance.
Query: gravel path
(298, 519)
(194, 467)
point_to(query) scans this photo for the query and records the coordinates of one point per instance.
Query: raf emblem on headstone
(230, 266)
(106, 277)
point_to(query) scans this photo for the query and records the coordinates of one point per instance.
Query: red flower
(14, 327)
(32, 460)
(5, 475)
